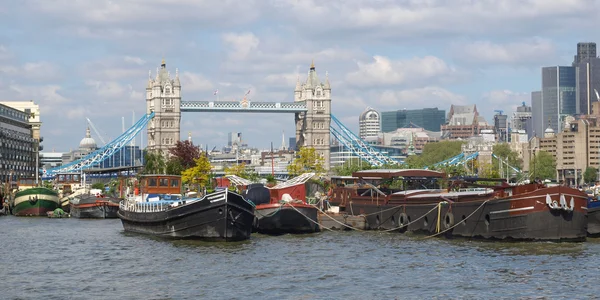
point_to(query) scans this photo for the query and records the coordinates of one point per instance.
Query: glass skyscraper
(559, 95)
(588, 84)
(428, 118)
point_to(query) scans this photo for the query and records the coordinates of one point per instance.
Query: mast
(272, 161)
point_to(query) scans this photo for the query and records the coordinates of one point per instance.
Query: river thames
(95, 259)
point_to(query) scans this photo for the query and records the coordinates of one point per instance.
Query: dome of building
(549, 130)
(87, 142)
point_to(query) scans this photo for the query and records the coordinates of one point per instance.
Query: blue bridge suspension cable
(103, 153)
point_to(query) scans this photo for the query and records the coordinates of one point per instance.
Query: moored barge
(465, 207)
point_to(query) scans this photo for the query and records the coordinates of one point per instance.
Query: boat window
(151, 181)
(174, 182)
(164, 182)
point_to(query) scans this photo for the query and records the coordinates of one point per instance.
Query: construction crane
(499, 111)
(95, 130)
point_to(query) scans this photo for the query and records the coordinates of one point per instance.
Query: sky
(83, 59)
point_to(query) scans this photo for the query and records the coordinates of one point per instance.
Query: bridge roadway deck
(242, 106)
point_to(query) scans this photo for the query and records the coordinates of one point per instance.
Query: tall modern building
(584, 51)
(537, 114)
(559, 98)
(501, 127)
(427, 118)
(588, 84)
(369, 123)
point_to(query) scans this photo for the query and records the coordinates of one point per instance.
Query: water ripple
(95, 259)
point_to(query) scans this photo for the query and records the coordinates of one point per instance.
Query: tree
(186, 153)
(504, 152)
(590, 175)
(488, 171)
(174, 166)
(350, 166)
(237, 170)
(543, 166)
(154, 163)
(98, 185)
(434, 153)
(271, 180)
(198, 174)
(307, 160)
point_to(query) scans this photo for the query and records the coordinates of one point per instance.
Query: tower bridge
(311, 108)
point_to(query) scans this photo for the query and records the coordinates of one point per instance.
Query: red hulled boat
(466, 207)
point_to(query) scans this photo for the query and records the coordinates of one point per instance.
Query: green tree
(590, 175)
(199, 174)
(543, 166)
(351, 165)
(174, 166)
(154, 163)
(237, 170)
(488, 171)
(504, 152)
(434, 153)
(98, 185)
(307, 160)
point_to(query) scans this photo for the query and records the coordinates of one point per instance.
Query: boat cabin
(67, 182)
(160, 184)
(381, 183)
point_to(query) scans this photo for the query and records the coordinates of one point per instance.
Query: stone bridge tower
(163, 96)
(312, 126)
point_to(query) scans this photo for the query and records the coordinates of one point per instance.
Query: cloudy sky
(90, 58)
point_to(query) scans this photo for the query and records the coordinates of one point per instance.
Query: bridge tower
(312, 126)
(163, 96)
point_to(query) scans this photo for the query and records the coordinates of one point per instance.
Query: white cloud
(31, 71)
(195, 82)
(134, 60)
(429, 96)
(434, 18)
(384, 71)
(532, 51)
(504, 100)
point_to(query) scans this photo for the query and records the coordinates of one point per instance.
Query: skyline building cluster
(566, 90)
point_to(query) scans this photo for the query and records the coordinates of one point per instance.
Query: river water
(95, 259)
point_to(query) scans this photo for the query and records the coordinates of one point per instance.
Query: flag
(216, 92)
(248, 92)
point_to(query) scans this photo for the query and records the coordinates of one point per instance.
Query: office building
(369, 123)
(464, 122)
(584, 51)
(588, 84)
(17, 144)
(522, 120)
(501, 127)
(428, 118)
(558, 95)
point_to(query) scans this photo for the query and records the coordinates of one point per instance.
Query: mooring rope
(343, 224)
(412, 222)
(461, 221)
(308, 218)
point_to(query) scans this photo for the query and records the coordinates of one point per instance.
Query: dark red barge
(464, 207)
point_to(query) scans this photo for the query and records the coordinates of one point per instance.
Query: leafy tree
(198, 174)
(174, 166)
(590, 175)
(237, 170)
(154, 163)
(350, 166)
(98, 185)
(307, 160)
(434, 153)
(186, 153)
(488, 171)
(504, 152)
(543, 166)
